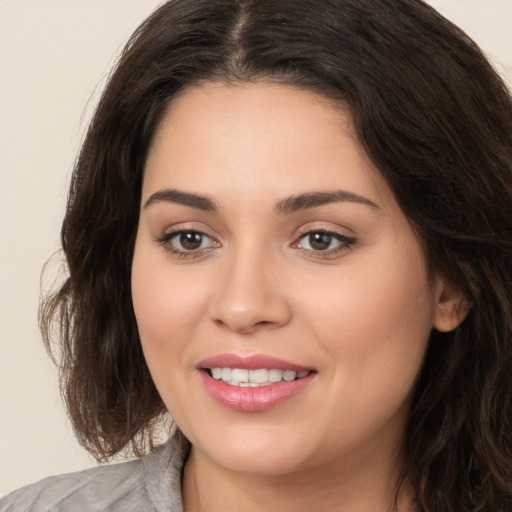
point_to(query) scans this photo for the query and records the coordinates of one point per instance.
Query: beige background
(54, 56)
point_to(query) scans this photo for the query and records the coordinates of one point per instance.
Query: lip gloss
(252, 399)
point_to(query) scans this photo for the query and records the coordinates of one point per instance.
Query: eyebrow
(184, 198)
(285, 206)
(313, 199)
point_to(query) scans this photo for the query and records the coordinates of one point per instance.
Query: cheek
(167, 309)
(373, 331)
(375, 324)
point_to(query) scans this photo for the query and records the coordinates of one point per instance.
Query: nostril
(245, 327)
(249, 313)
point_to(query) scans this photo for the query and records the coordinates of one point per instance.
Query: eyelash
(345, 243)
(165, 241)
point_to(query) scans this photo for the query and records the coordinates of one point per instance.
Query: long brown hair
(436, 120)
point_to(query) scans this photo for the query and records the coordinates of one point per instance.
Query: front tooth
(240, 375)
(226, 374)
(275, 375)
(258, 376)
(217, 373)
(289, 375)
(262, 376)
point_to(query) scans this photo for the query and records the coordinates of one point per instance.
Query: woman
(289, 228)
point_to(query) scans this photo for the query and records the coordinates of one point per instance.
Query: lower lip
(253, 399)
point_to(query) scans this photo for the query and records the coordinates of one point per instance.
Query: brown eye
(190, 240)
(320, 241)
(187, 243)
(325, 243)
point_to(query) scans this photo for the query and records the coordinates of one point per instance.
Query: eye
(324, 243)
(189, 240)
(186, 242)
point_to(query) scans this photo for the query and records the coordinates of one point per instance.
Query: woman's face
(268, 242)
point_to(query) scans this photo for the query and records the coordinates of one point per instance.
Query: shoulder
(150, 484)
(92, 489)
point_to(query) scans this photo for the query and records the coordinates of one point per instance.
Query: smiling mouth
(254, 378)
(253, 383)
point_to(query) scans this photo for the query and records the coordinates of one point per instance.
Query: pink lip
(252, 399)
(253, 362)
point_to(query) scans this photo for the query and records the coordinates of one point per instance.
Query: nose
(251, 295)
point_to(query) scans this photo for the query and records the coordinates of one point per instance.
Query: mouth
(254, 378)
(253, 383)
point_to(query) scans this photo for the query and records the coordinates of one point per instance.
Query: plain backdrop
(54, 57)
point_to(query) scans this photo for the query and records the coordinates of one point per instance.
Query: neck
(358, 485)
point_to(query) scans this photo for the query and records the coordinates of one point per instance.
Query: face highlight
(282, 298)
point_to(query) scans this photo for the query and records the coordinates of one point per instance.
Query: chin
(270, 464)
(256, 451)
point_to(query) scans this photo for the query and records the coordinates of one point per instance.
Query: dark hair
(435, 119)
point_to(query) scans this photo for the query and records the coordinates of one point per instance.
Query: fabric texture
(152, 484)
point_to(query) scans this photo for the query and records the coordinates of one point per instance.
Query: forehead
(255, 138)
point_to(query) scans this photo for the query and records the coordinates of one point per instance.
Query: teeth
(226, 374)
(217, 373)
(255, 378)
(288, 375)
(258, 376)
(238, 375)
(275, 375)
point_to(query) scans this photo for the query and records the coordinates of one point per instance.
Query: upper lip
(250, 362)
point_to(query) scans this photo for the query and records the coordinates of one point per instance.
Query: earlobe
(451, 307)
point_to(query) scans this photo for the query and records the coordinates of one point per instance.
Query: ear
(451, 307)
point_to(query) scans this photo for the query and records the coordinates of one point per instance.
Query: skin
(358, 313)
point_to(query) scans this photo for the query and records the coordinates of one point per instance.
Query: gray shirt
(152, 483)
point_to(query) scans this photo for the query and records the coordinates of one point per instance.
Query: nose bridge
(249, 296)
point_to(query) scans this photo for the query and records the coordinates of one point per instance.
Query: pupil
(320, 241)
(190, 241)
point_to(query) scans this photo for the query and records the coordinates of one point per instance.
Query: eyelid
(346, 242)
(165, 238)
(324, 227)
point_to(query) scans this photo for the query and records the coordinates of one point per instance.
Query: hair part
(435, 119)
